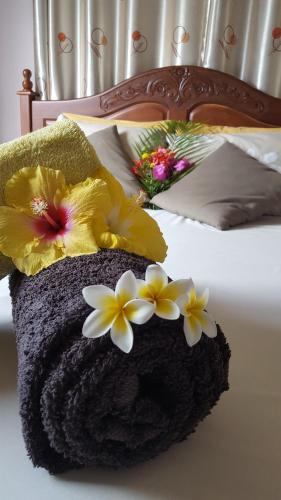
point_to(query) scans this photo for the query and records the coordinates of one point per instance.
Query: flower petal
(145, 233)
(79, 240)
(87, 198)
(34, 182)
(126, 288)
(192, 330)
(139, 311)
(122, 333)
(98, 323)
(183, 300)
(17, 236)
(209, 326)
(143, 236)
(144, 291)
(203, 299)
(99, 296)
(167, 309)
(177, 288)
(41, 257)
(117, 194)
(156, 277)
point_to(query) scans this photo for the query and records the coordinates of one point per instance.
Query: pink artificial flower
(182, 165)
(160, 172)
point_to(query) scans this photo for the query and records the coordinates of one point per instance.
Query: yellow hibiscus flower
(46, 220)
(124, 224)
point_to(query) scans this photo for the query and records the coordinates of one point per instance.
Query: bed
(236, 452)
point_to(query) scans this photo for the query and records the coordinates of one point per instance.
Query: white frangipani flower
(196, 319)
(114, 311)
(162, 294)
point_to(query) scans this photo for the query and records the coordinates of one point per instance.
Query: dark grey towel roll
(83, 401)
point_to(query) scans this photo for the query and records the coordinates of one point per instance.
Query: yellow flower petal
(87, 198)
(117, 194)
(146, 237)
(139, 311)
(192, 330)
(192, 298)
(202, 301)
(122, 334)
(176, 288)
(17, 236)
(156, 278)
(105, 239)
(142, 235)
(79, 240)
(144, 291)
(167, 309)
(34, 182)
(126, 288)
(209, 326)
(41, 257)
(98, 323)
(100, 297)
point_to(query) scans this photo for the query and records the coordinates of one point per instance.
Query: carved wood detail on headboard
(174, 92)
(182, 84)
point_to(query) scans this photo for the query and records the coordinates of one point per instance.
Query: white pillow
(263, 146)
(128, 132)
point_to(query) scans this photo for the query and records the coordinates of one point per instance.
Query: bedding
(242, 438)
(108, 147)
(128, 131)
(263, 144)
(226, 189)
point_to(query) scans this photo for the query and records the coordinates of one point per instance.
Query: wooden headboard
(175, 92)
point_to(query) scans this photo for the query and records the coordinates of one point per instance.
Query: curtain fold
(83, 47)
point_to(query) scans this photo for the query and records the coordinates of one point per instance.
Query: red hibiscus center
(53, 223)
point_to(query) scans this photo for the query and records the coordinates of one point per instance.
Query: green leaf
(178, 135)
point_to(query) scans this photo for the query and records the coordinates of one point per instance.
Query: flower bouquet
(167, 152)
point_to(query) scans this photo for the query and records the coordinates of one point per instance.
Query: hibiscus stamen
(39, 206)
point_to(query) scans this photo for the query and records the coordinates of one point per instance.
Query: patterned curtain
(83, 47)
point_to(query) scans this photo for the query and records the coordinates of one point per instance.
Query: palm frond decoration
(184, 141)
(185, 138)
(193, 147)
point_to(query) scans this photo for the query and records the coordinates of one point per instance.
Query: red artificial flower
(162, 156)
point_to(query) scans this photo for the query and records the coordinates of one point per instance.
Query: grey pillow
(228, 188)
(111, 153)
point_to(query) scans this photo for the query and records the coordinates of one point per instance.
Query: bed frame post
(27, 95)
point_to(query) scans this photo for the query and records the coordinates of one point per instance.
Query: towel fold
(85, 402)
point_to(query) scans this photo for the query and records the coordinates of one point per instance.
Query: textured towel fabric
(83, 401)
(62, 146)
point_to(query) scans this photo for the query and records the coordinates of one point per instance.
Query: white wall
(16, 53)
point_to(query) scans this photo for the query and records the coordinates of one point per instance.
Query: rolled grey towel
(85, 402)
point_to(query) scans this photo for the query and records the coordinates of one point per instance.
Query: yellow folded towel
(62, 146)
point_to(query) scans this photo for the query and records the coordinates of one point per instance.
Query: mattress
(236, 451)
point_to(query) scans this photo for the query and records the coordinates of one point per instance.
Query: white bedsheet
(236, 452)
